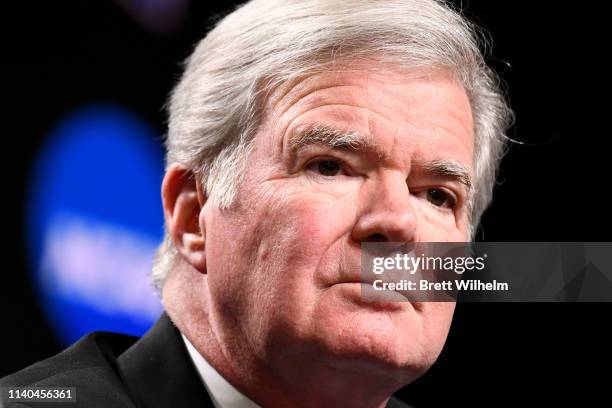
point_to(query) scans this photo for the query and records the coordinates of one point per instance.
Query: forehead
(403, 109)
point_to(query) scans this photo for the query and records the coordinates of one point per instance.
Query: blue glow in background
(94, 220)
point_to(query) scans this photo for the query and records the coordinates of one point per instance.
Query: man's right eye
(325, 167)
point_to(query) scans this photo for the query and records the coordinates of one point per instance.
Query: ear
(183, 200)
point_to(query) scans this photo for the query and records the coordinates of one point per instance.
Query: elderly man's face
(283, 263)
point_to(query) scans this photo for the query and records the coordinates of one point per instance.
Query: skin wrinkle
(325, 105)
(371, 65)
(305, 93)
(300, 86)
(303, 86)
(328, 249)
(381, 154)
(368, 111)
(225, 347)
(308, 109)
(300, 142)
(295, 323)
(226, 352)
(308, 95)
(283, 109)
(461, 199)
(420, 188)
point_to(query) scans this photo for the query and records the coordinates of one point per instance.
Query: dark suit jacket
(114, 371)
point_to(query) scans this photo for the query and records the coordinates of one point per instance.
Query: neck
(296, 380)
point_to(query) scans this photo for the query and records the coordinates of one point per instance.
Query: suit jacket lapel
(158, 372)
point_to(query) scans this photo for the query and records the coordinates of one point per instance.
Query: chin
(379, 356)
(387, 339)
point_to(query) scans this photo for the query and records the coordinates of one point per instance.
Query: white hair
(214, 110)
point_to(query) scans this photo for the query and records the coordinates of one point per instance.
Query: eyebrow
(332, 138)
(451, 169)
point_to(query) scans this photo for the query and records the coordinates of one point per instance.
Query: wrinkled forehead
(375, 100)
(276, 89)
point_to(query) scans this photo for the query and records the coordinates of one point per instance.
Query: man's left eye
(440, 198)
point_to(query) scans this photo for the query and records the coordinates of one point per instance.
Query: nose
(386, 213)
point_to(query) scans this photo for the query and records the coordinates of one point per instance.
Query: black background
(58, 56)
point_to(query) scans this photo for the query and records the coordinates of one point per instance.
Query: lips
(369, 294)
(349, 270)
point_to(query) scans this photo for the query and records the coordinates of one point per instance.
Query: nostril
(376, 238)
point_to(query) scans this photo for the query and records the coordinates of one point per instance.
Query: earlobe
(183, 200)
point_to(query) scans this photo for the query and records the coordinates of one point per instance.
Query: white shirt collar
(222, 393)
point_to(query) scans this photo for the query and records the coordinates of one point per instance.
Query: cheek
(271, 249)
(318, 221)
(313, 214)
(267, 271)
(437, 226)
(301, 238)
